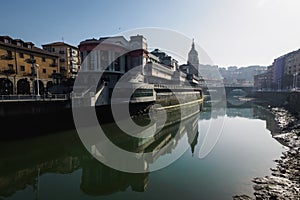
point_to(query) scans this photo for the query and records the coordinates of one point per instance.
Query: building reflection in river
(24, 162)
(244, 109)
(63, 153)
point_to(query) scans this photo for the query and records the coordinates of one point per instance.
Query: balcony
(30, 61)
(53, 65)
(62, 60)
(7, 57)
(8, 71)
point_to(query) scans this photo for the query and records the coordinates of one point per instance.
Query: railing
(8, 71)
(53, 65)
(52, 97)
(163, 86)
(7, 57)
(97, 94)
(30, 60)
(83, 94)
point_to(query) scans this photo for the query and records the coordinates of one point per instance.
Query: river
(57, 166)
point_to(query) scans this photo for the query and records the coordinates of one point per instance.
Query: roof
(33, 49)
(19, 40)
(59, 44)
(6, 37)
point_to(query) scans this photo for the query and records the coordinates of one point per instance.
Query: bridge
(229, 90)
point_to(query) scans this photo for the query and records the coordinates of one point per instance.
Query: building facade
(116, 57)
(292, 63)
(69, 58)
(283, 74)
(241, 76)
(264, 81)
(22, 65)
(278, 71)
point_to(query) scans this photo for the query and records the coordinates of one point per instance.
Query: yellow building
(68, 58)
(18, 61)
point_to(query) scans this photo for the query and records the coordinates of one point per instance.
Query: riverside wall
(15, 108)
(290, 100)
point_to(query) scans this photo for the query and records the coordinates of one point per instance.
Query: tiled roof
(33, 49)
(59, 44)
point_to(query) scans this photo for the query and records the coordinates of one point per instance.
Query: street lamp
(32, 62)
(295, 85)
(37, 80)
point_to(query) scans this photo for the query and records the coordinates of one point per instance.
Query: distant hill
(241, 75)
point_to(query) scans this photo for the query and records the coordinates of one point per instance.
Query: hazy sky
(232, 32)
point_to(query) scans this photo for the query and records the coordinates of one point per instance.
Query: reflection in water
(244, 109)
(22, 162)
(98, 179)
(27, 164)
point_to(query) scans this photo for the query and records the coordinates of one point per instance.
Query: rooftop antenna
(63, 39)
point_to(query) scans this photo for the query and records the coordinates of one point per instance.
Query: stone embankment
(284, 183)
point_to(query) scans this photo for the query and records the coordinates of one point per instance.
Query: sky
(232, 32)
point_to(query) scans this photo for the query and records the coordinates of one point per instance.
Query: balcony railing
(30, 60)
(8, 71)
(7, 57)
(53, 65)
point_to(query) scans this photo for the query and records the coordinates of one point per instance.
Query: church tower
(193, 60)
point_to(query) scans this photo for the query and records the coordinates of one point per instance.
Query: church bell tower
(193, 60)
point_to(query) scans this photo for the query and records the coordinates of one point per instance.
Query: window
(21, 55)
(44, 71)
(43, 59)
(104, 60)
(116, 63)
(22, 68)
(31, 56)
(10, 67)
(53, 50)
(9, 53)
(54, 71)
